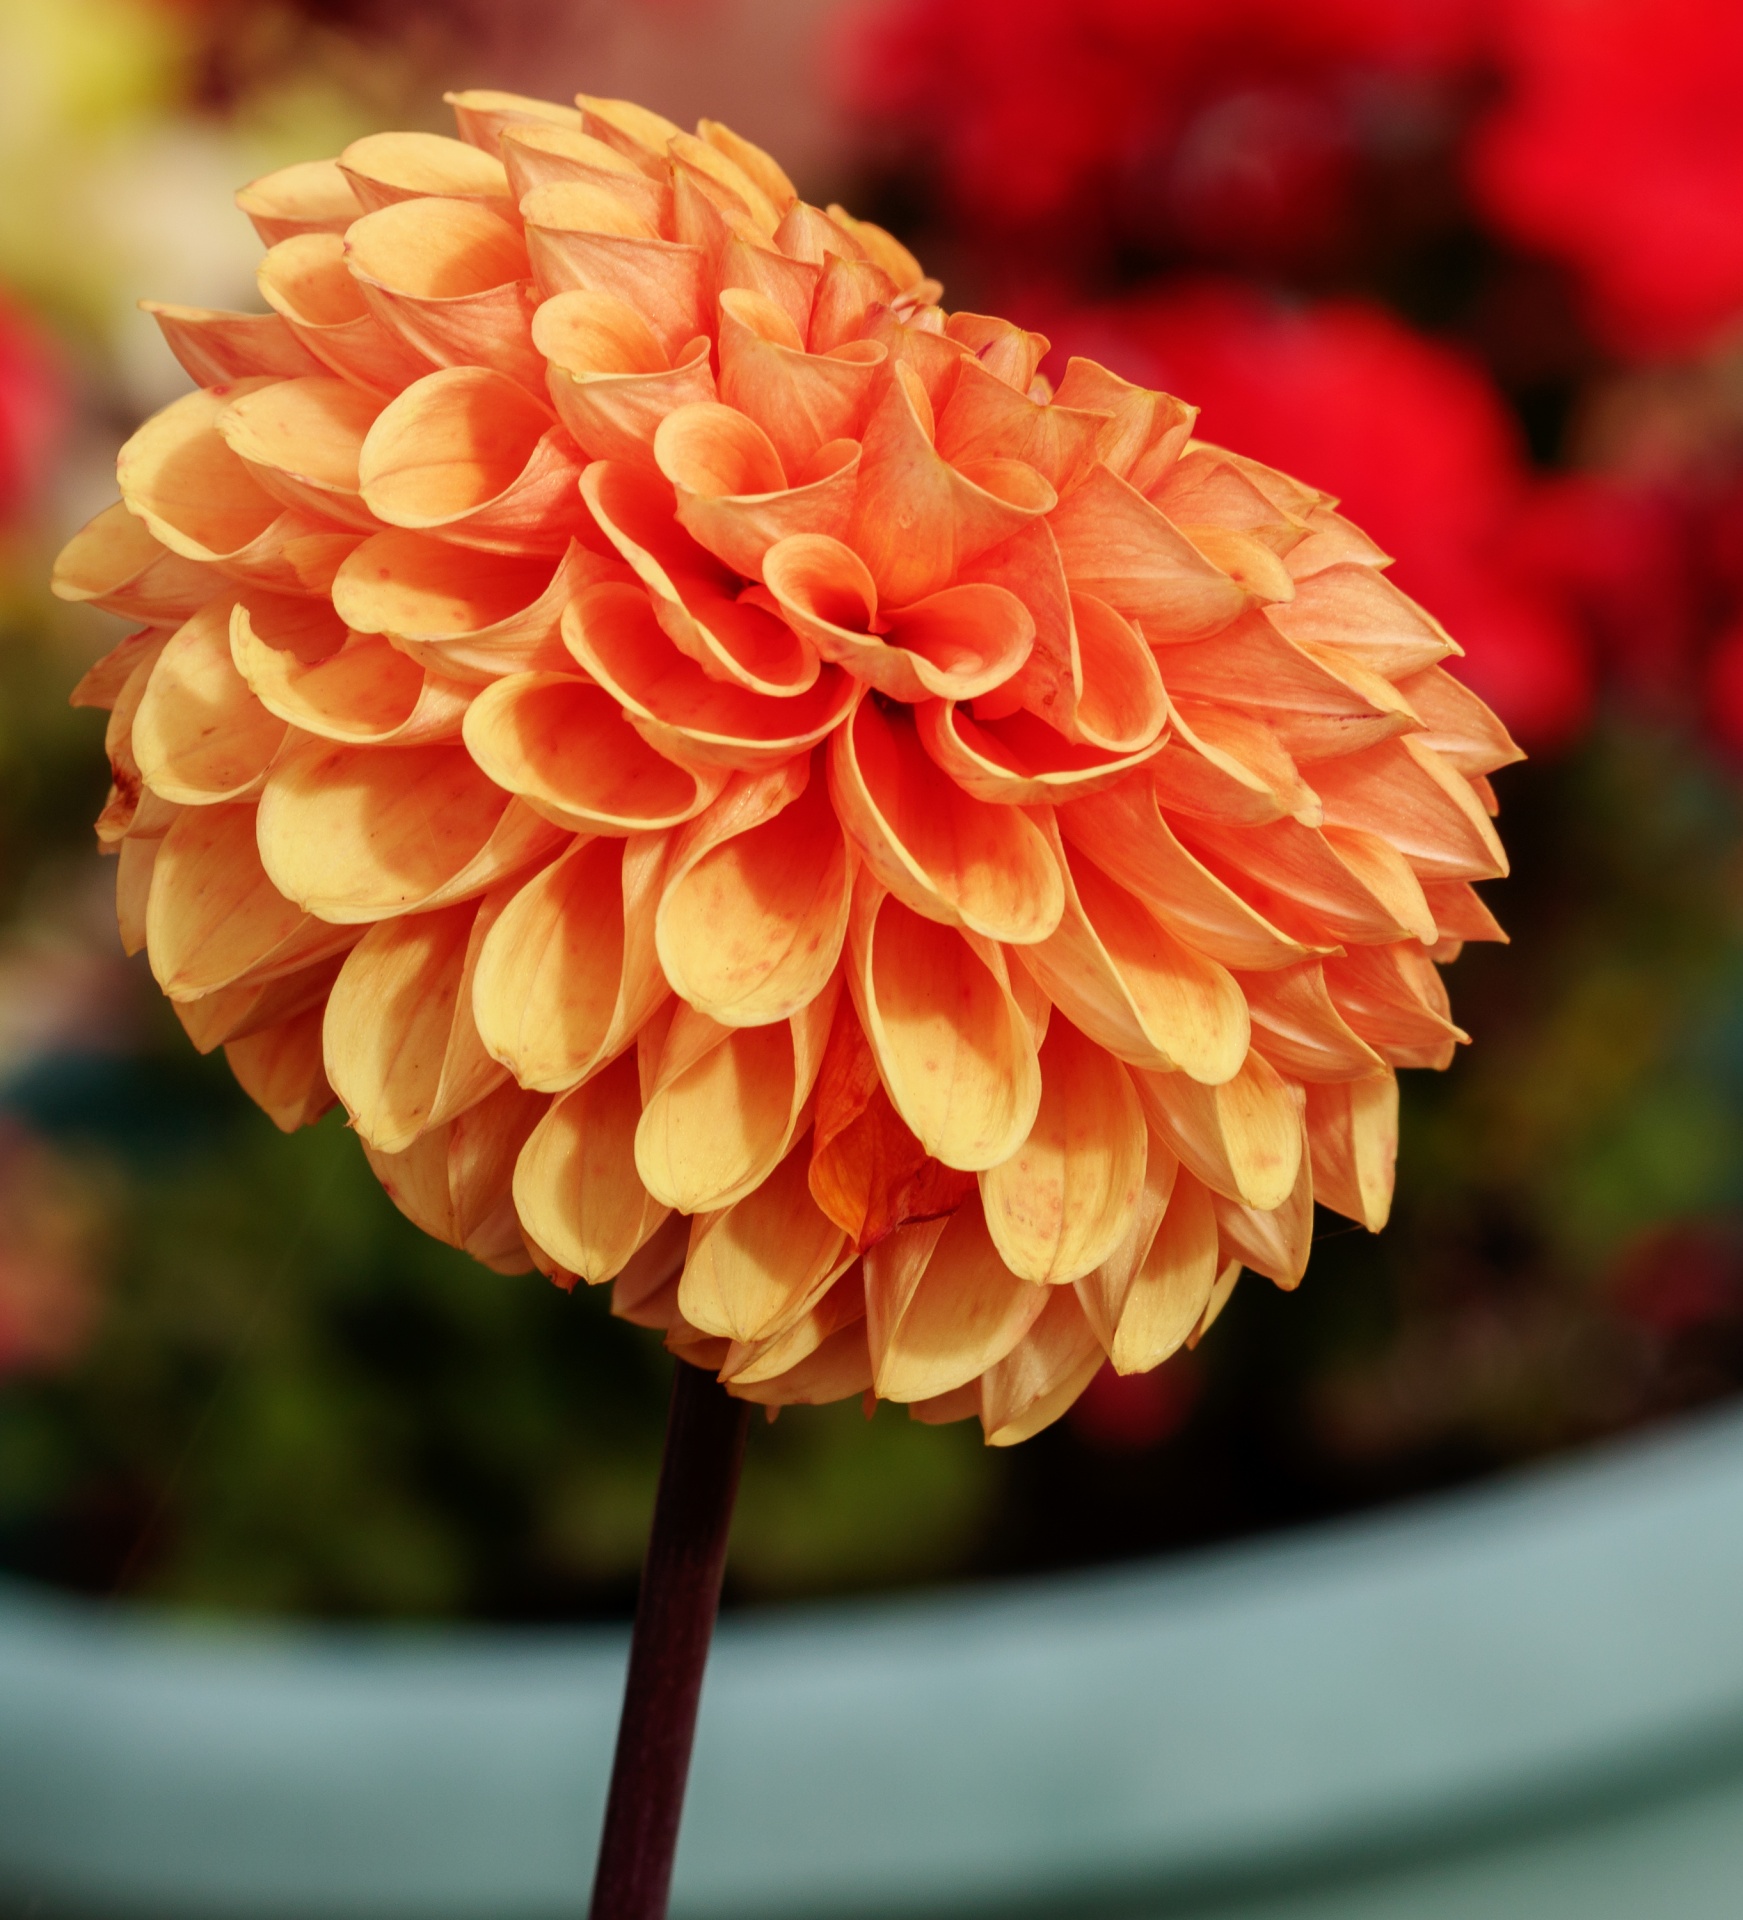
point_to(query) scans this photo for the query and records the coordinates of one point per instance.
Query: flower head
(744, 793)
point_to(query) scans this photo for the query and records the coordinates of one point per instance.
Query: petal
(214, 916)
(116, 563)
(567, 977)
(952, 1045)
(1405, 793)
(251, 1006)
(470, 453)
(713, 167)
(1456, 724)
(199, 734)
(1037, 1381)
(1225, 766)
(215, 348)
(754, 911)
(311, 197)
(575, 1184)
(838, 1368)
(1274, 1243)
(1361, 613)
(387, 167)
(279, 1068)
(402, 1052)
(1294, 875)
(1154, 1310)
(1019, 760)
(751, 161)
(942, 1307)
(801, 400)
(1298, 1029)
(538, 155)
(613, 409)
(300, 440)
(356, 835)
(1117, 972)
(949, 856)
(1207, 488)
(1393, 997)
(1060, 1205)
(756, 1267)
(103, 682)
(593, 240)
(1459, 913)
(194, 495)
(1144, 431)
(634, 130)
(306, 282)
(133, 871)
(840, 1310)
(1352, 1129)
(1243, 1139)
(484, 114)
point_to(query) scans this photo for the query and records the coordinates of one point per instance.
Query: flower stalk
(674, 1622)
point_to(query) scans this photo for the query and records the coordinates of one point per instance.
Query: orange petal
(133, 870)
(751, 161)
(1298, 1029)
(401, 1048)
(1144, 431)
(1353, 1131)
(355, 834)
(132, 809)
(1393, 997)
(1116, 971)
(838, 1368)
(1361, 613)
(482, 115)
(214, 917)
(1150, 1311)
(305, 281)
(851, 295)
(1120, 548)
(568, 976)
(840, 1310)
(449, 277)
(1126, 834)
(917, 518)
(102, 683)
(538, 155)
(387, 167)
(300, 440)
(1406, 794)
(575, 1185)
(942, 1307)
(1459, 914)
(1042, 1375)
(634, 130)
(469, 453)
(311, 197)
(1243, 1139)
(1224, 766)
(1206, 487)
(1274, 1243)
(462, 614)
(756, 1267)
(986, 418)
(754, 911)
(592, 240)
(360, 691)
(249, 1007)
(114, 562)
(565, 747)
(801, 400)
(952, 1045)
(214, 347)
(1295, 876)
(676, 706)
(1219, 1298)
(1019, 760)
(194, 495)
(279, 1068)
(1456, 724)
(1060, 1205)
(199, 734)
(949, 856)
(610, 390)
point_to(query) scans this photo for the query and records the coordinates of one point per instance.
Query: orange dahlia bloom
(745, 793)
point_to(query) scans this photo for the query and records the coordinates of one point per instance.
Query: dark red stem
(674, 1621)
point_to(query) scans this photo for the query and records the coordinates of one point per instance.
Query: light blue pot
(1526, 1701)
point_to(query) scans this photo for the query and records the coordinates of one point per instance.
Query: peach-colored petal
(115, 562)
(1043, 1374)
(610, 379)
(1393, 997)
(1163, 1302)
(132, 810)
(199, 734)
(102, 683)
(1299, 1030)
(1206, 487)
(1456, 724)
(1144, 433)
(355, 834)
(985, 419)
(300, 440)
(718, 173)
(951, 857)
(634, 130)
(311, 197)
(1296, 878)
(279, 1068)
(567, 977)
(215, 347)
(387, 167)
(539, 155)
(801, 400)
(1353, 1130)
(837, 1368)
(306, 282)
(1275, 1243)
(1220, 765)
(1459, 913)
(1403, 792)
(1243, 1139)
(1361, 613)
(840, 1310)
(482, 115)
(588, 238)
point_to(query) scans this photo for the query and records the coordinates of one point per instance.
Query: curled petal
(1148, 1301)
(719, 170)
(566, 748)
(567, 977)
(1359, 612)
(575, 1184)
(387, 167)
(1406, 794)
(102, 683)
(306, 282)
(199, 734)
(279, 1068)
(462, 614)
(1127, 835)
(450, 277)
(1019, 760)
(133, 869)
(1459, 913)
(942, 1307)
(470, 454)
(986, 418)
(455, 1181)
(610, 379)
(801, 400)
(632, 129)
(115, 562)
(1208, 488)
(1043, 1374)
(1352, 1129)
(1120, 548)
(354, 688)
(1243, 1139)
(132, 811)
(1226, 766)
(590, 239)
(694, 597)
(356, 834)
(954, 644)
(215, 917)
(953, 1048)
(482, 115)
(194, 495)
(249, 1007)
(214, 348)
(754, 911)
(300, 439)
(1298, 1029)
(311, 197)
(539, 155)
(1063, 1201)
(752, 162)
(851, 294)
(1275, 1243)
(1144, 432)
(1116, 971)
(756, 1267)
(401, 1049)
(613, 632)
(917, 518)
(1007, 353)
(949, 856)
(724, 1104)
(838, 1313)
(1121, 707)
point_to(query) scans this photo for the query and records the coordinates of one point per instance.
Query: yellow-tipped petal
(306, 282)
(594, 240)
(1037, 1381)
(1352, 1129)
(387, 167)
(1360, 612)
(483, 115)
(251, 1006)
(1403, 792)
(116, 563)
(1274, 1243)
(300, 440)
(1149, 1312)
(311, 197)
(279, 1068)
(199, 734)
(539, 155)
(1299, 1030)
(1243, 1139)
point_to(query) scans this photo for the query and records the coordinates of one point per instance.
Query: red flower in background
(1411, 434)
(1619, 149)
(31, 406)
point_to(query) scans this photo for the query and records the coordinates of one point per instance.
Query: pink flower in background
(1412, 436)
(31, 408)
(1619, 149)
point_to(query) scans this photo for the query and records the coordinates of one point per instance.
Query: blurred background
(1476, 265)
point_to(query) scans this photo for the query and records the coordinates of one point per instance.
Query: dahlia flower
(746, 793)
